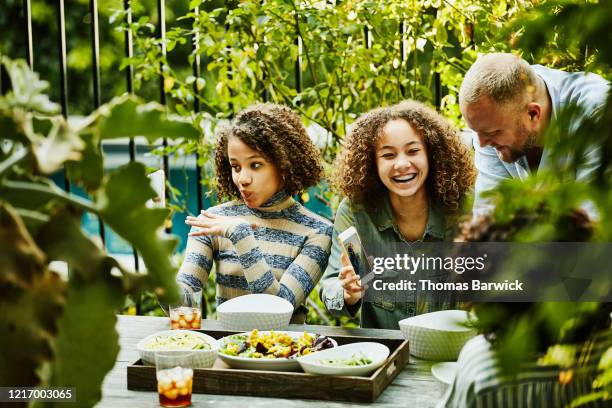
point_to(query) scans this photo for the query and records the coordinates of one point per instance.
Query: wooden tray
(220, 379)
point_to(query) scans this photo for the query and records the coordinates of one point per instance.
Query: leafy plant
(60, 330)
(353, 56)
(577, 28)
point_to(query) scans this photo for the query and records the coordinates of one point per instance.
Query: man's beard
(530, 142)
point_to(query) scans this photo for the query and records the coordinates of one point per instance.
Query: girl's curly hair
(451, 167)
(278, 134)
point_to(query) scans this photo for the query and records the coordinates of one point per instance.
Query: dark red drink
(174, 386)
(180, 401)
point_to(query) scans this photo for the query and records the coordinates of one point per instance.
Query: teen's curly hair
(451, 169)
(278, 134)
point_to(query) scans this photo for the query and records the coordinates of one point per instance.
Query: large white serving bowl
(378, 353)
(265, 364)
(257, 311)
(202, 358)
(437, 336)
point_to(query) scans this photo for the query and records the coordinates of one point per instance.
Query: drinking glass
(187, 313)
(174, 378)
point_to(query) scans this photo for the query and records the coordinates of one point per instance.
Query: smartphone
(351, 245)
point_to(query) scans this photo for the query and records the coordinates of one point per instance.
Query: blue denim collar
(383, 218)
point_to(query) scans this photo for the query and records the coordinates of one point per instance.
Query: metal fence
(129, 78)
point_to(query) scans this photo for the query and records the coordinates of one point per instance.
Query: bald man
(509, 104)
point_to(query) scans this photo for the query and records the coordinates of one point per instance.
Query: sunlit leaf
(87, 340)
(27, 87)
(122, 201)
(126, 117)
(88, 171)
(62, 144)
(76, 248)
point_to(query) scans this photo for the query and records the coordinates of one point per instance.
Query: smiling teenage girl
(405, 172)
(263, 241)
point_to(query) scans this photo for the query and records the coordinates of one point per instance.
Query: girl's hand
(349, 281)
(213, 224)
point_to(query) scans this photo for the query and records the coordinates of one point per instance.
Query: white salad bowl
(437, 336)
(257, 311)
(161, 341)
(332, 361)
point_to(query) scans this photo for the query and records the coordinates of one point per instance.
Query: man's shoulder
(583, 88)
(558, 75)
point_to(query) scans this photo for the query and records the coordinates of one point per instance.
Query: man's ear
(534, 110)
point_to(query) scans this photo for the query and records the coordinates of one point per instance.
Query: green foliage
(81, 357)
(248, 51)
(33, 298)
(578, 30)
(576, 34)
(53, 325)
(354, 56)
(550, 198)
(123, 207)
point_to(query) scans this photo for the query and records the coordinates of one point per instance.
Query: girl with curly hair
(404, 171)
(262, 241)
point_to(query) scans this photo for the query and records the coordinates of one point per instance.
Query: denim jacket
(375, 228)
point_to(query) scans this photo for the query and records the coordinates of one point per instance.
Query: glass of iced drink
(187, 313)
(174, 378)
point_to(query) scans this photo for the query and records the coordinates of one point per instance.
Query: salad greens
(357, 359)
(179, 341)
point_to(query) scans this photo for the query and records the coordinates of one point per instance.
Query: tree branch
(310, 65)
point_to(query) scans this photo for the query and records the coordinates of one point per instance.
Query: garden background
(331, 61)
(201, 62)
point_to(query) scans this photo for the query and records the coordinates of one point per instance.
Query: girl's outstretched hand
(213, 224)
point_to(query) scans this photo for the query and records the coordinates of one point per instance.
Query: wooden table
(413, 387)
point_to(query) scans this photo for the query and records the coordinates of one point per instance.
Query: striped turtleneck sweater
(285, 255)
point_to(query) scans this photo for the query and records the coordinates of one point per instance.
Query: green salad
(179, 341)
(357, 359)
(272, 344)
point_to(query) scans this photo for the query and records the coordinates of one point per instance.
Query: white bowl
(202, 359)
(376, 352)
(445, 372)
(258, 311)
(264, 364)
(437, 336)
